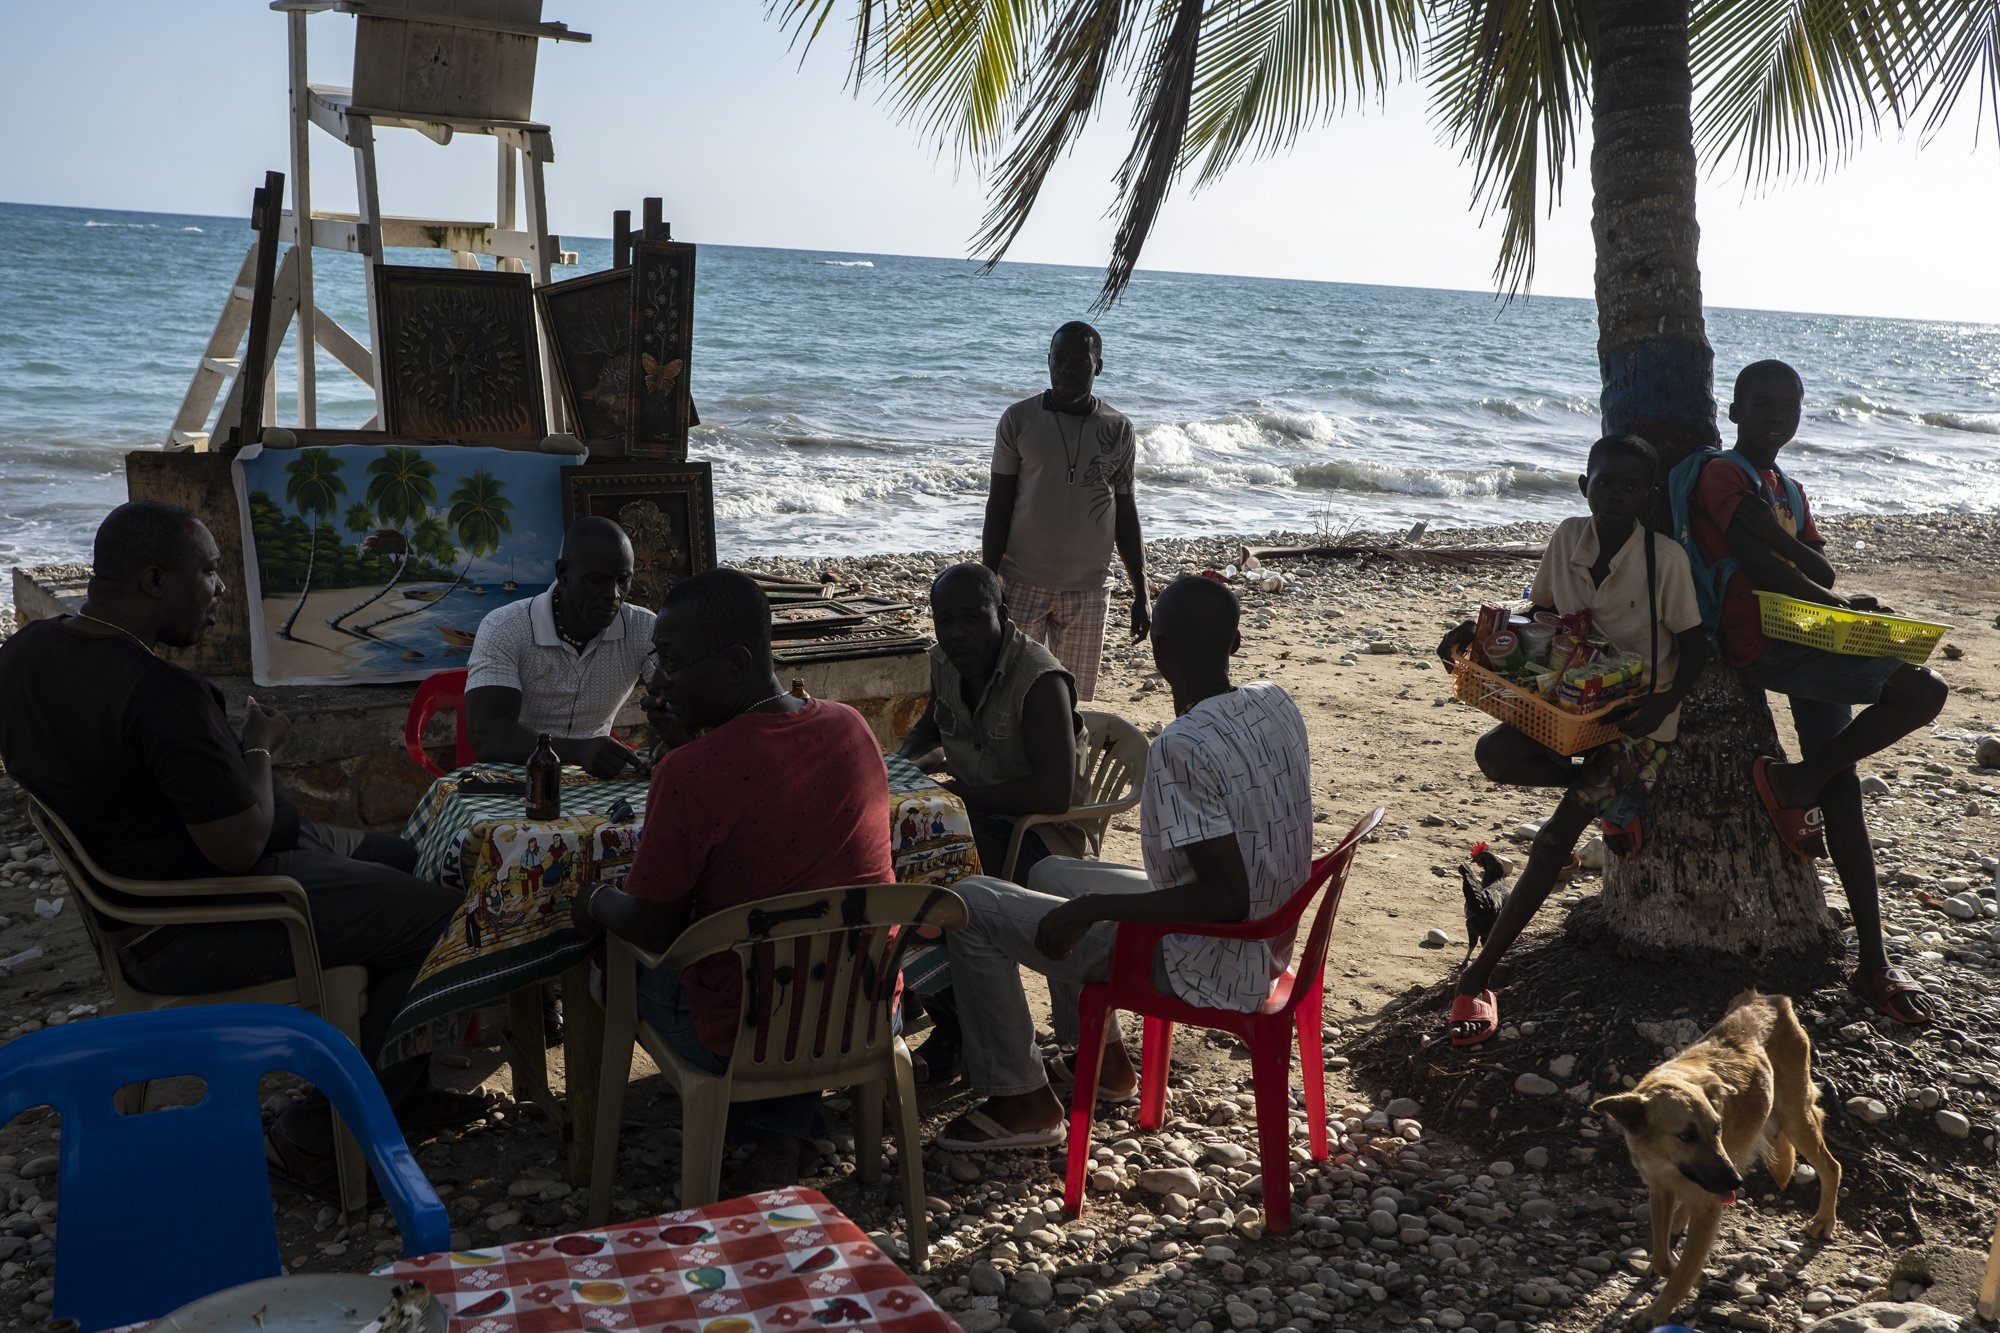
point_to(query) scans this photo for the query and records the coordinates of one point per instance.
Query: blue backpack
(1711, 579)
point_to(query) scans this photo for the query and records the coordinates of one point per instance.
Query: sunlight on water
(848, 402)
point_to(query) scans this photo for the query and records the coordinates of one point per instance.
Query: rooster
(1477, 875)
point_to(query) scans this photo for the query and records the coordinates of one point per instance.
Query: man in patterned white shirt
(1226, 828)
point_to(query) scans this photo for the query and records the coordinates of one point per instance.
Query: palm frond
(956, 65)
(1789, 84)
(1509, 81)
(1271, 69)
(806, 19)
(1081, 46)
(1965, 36)
(1159, 126)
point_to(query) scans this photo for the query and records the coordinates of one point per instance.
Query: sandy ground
(318, 652)
(1383, 732)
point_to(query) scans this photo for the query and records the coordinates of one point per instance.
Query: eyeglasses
(658, 664)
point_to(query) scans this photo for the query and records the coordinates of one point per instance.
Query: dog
(1694, 1124)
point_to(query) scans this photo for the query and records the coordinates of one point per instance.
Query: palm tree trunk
(1713, 879)
(312, 558)
(428, 606)
(333, 622)
(1652, 346)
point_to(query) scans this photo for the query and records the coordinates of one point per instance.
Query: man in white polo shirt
(562, 662)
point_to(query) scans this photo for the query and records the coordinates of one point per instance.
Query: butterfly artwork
(659, 406)
(660, 378)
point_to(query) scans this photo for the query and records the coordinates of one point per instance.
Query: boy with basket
(1738, 548)
(1637, 590)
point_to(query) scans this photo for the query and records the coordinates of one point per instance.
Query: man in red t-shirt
(777, 795)
(1781, 551)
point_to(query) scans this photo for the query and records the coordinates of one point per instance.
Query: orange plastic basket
(1529, 713)
(1852, 633)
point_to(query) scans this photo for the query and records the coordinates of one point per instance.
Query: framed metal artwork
(589, 320)
(459, 356)
(792, 620)
(667, 509)
(659, 407)
(845, 645)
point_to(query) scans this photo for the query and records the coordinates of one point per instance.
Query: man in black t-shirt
(137, 757)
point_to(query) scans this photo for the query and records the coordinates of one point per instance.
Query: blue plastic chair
(181, 1195)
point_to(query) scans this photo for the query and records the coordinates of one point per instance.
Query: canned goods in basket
(1504, 651)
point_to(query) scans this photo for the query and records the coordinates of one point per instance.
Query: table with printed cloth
(779, 1262)
(516, 877)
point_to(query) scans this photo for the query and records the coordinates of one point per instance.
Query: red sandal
(1798, 828)
(1479, 1009)
(1892, 992)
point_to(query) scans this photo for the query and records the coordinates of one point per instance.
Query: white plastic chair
(819, 972)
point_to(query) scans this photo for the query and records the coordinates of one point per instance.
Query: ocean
(848, 401)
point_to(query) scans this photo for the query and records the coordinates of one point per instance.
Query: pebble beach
(1507, 1208)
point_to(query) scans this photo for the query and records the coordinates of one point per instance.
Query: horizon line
(1501, 298)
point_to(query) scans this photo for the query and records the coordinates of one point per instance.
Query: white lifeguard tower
(441, 68)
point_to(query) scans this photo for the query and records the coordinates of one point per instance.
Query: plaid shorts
(1614, 778)
(1068, 624)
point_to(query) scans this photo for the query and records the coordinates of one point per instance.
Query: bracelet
(590, 897)
(256, 749)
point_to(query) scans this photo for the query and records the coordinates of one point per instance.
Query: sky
(181, 107)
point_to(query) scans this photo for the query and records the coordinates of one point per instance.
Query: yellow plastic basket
(1527, 712)
(1854, 633)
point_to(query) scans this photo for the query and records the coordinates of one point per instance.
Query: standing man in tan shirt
(1059, 502)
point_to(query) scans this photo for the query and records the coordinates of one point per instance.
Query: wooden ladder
(218, 374)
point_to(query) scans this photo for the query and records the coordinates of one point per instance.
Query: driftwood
(1408, 555)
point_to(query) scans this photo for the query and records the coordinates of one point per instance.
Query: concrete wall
(344, 759)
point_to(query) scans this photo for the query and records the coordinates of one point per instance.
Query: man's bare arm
(493, 725)
(1756, 523)
(1770, 570)
(1131, 543)
(1219, 891)
(1001, 490)
(922, 746)
(651, 925)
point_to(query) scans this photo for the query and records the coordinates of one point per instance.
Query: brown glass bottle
(544, 781)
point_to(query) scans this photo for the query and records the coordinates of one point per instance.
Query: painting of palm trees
(313, 488)
(438, 536)
(401, 491)
(477, 522)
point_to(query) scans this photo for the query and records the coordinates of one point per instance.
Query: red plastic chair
(1295, 1000)
(441, 689)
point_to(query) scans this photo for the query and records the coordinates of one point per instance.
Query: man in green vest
(1002, 721)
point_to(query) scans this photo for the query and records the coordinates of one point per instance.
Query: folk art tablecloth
(779, 1262)
(516, 877)
(784, 1261)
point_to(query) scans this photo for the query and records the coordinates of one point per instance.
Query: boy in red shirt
(777, 795)
(1781, 551)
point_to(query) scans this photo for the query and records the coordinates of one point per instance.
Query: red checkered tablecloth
(787, 1261)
